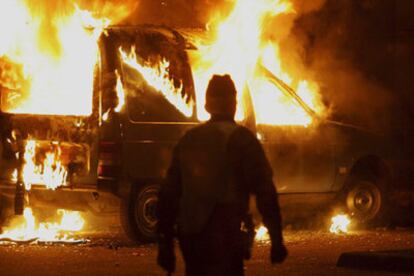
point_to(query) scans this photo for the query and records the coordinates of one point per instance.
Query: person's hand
(166, 255)
(278, 253)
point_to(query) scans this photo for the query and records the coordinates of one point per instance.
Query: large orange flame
(236, 47)
(48, 54)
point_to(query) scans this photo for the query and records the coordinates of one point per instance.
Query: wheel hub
(364, 200)
(146, 210)
(150, 207)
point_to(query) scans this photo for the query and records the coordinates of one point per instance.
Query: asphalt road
(108, 253)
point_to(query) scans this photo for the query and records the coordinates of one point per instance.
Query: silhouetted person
(215, 167)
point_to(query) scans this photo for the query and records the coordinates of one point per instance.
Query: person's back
(207, 176)
(215, 168)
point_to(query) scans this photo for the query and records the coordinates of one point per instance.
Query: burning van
(143, 99)
(89, 110)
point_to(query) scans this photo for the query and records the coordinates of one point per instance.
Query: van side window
(146, 100)
(145, 103)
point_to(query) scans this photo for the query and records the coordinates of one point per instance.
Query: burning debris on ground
(30, 231)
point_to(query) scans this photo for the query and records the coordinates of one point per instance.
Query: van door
(302, 158)
(151, 75)
(151, 128)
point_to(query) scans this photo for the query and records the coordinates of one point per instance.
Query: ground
(311, 252)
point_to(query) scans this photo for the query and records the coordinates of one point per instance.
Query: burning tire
(138, 214)
(365, 202)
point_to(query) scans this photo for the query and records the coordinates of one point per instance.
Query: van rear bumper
(11, 185)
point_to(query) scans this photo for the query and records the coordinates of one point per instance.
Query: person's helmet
(221, 96)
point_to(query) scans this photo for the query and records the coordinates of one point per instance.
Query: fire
(262, 234)
(30, 230)
(238, 48)
(340, 224)
(159, 78)
(120, 94)
(50, 172)
(48, 55)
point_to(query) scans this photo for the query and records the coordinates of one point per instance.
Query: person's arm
(167, 210)
(168, 203)
(258, 177)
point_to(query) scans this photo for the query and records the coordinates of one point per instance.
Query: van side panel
(147, 148)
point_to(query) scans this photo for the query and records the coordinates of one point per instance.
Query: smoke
(346, 46)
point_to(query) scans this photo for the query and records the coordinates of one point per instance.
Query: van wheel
(3, 211)
(138, 214)
(365, 202)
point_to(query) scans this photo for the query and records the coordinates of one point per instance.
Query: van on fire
(124, 146)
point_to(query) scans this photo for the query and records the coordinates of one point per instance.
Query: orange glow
(27, 228)
(236, 47)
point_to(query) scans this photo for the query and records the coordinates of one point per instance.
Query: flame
(48, 54)
(50, 173)
(340, 224)
(276, 108)
(30, 229)
(120, 94)
(71, 221)
(262, 234)
(158, 77)
(237, 47)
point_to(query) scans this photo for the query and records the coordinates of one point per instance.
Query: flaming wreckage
(102, 114)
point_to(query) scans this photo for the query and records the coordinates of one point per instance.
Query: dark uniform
(215, 167)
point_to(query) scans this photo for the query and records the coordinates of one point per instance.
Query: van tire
(366, 203)
(138, 217)
(3, 211)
